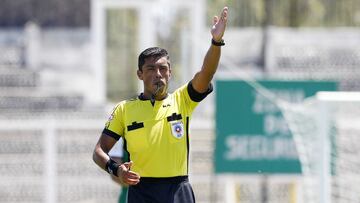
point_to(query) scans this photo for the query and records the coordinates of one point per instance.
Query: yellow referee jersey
(156, 136)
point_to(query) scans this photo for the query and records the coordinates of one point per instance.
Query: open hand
(219, 25)
(127, 176)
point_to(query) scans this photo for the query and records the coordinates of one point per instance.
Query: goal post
(143, 24)
(326, 132)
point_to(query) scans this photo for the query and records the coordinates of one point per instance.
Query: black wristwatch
(219, 44)
(112, 167)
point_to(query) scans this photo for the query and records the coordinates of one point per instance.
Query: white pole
(230, 192)
(197, 26)
(147, 32)
(50, 162)
(98, 87)
(185, 70)
(33, 48)
(324, 146)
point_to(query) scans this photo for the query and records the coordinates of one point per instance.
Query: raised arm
(203, 78)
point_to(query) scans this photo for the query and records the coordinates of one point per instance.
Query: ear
(169, 73)
(139, 74)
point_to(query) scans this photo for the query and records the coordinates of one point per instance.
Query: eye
(163, 68)
(150, 68)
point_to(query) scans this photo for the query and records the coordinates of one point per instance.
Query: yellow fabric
(159, 148)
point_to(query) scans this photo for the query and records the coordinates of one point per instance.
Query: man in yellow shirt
(155, 126)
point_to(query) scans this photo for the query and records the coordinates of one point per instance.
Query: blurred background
(65, 63)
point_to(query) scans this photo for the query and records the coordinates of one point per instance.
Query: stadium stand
(28, 99)
(321, 54)
(35, 103)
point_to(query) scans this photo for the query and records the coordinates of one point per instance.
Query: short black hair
(156, 52)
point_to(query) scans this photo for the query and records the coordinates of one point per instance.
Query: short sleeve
(114, 127)
(190, 97)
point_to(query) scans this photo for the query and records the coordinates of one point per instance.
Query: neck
(149, 96)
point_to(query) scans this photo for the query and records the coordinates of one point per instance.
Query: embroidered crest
(177, 129)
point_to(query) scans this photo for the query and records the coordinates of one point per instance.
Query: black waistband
(176, 179)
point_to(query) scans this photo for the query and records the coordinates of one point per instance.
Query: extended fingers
(224, 14)
(131, 178)
(215, 20)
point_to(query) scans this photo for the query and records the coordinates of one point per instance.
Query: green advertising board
(251, 133)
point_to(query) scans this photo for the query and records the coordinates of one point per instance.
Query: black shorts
(162, 190)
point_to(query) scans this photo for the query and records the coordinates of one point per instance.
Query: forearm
(211, 62)
(203, 78)
(102, 148)
(100, 157)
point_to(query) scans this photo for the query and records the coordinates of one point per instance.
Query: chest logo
(177, 129)
(166, 105)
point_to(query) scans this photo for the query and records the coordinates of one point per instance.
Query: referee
(155, 127)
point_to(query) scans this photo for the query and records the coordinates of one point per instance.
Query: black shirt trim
(175, 179)
(174, 117)
(135, 125)
(111, 134)
(196, 96)
(187, 143)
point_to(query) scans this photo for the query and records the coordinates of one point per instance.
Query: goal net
(326, 131)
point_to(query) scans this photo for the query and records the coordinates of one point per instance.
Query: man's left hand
(219, 25)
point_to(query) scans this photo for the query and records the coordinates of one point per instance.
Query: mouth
(158, 85)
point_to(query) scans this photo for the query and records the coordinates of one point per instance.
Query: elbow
(210, 77)
(201, 81)
(208, 73)
(207, 77)
(96, 154)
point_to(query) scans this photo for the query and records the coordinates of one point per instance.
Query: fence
(50, 160)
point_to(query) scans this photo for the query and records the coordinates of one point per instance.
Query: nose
(157, 73)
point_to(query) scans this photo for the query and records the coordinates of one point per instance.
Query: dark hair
(155, 52)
